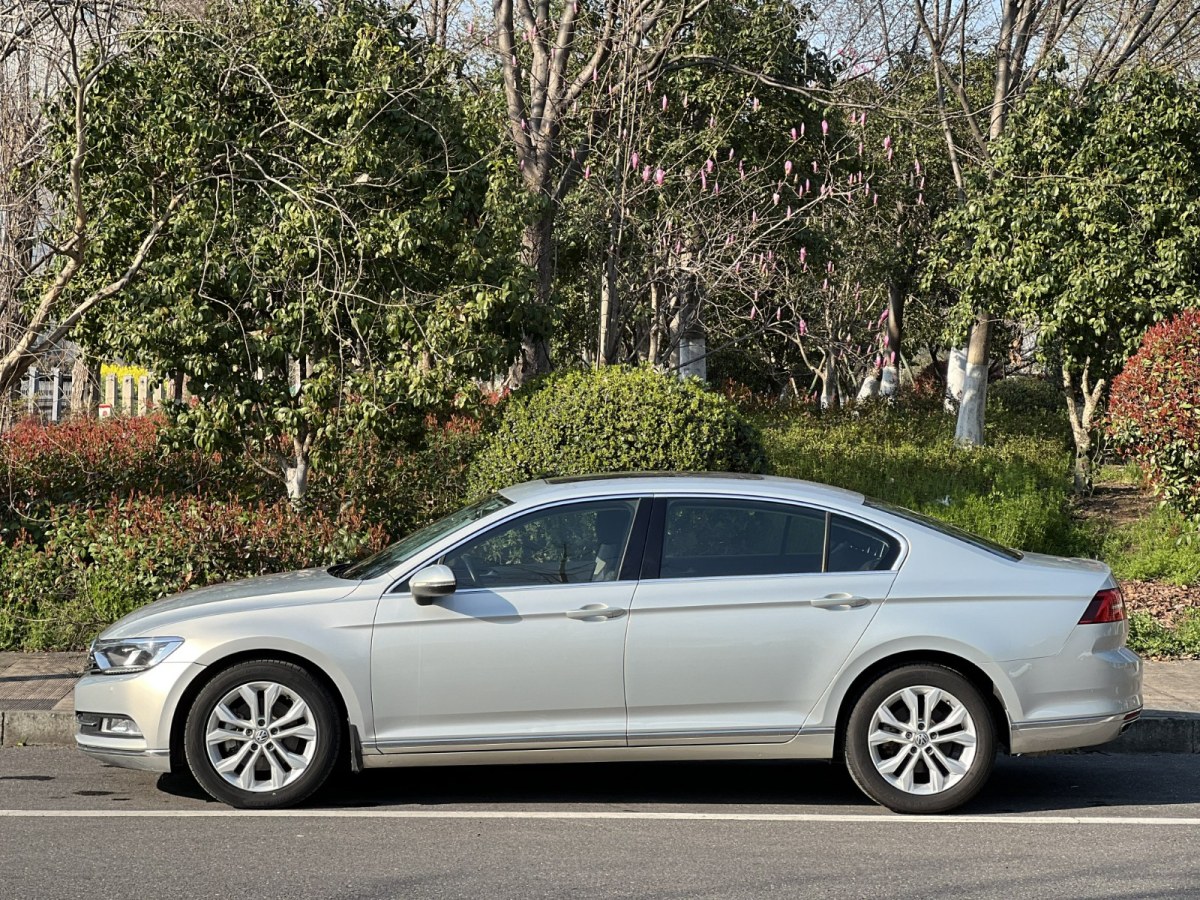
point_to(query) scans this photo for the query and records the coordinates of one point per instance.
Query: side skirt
(817, 744)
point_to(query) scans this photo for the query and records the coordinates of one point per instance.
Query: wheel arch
(981, 680)
(213, 669)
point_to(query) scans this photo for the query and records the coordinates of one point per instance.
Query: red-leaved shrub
(1154, 412)
(84, 462)
(96, 565)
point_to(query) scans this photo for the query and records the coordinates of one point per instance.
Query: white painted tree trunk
(956, 376)
(889, 383)
(969, 430)
(869, 389)
(971, 412)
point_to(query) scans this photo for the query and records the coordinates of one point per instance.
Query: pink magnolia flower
(794, 135)
(633, 160)
(775, 199)
(659, 177)
(664, 103)
(824, 127)
(703, 181)
(787, 167)
(716, 188)
(802, 327)
(803, 255)
(587, 171)
(753, 313)
(887, 142)
(789, 212)
(756, 104)
(645, 173)
(709, 165)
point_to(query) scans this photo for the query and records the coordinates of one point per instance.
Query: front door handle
(595, 611)
(838, 601)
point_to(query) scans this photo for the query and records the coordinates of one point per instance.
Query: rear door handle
(595, 611)
(838, 601)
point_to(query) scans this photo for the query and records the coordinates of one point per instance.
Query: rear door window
(706, 538)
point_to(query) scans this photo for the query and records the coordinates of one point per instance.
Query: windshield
(945, 528)
(391, 556)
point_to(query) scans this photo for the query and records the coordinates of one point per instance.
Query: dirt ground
(1120, 504)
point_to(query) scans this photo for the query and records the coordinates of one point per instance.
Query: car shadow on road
(1050, 784)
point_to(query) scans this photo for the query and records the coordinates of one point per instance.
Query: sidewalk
(36, 707)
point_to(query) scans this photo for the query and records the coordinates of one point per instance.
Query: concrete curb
(1154, 733)
(1159, 733)
(42, 728)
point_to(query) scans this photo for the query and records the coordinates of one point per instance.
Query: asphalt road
(1086, 825)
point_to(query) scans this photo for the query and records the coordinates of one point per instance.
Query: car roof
(735, 484)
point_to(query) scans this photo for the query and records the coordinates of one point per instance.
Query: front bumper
(149, 698)
(145, 760)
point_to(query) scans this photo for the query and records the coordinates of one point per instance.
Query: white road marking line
(566, 815)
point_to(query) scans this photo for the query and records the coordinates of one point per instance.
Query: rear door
(745, 611)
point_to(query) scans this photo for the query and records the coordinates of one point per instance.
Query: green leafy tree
(1089, 228)
(340, 257)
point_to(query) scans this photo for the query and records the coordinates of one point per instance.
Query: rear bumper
(1069, 734)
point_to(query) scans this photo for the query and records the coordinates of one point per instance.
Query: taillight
(1107, 606)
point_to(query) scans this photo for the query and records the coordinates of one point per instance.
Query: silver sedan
(635, 617)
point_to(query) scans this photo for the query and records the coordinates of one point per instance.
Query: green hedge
(616, 419)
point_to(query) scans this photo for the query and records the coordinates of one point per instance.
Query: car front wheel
(262, 735)
(920, 740)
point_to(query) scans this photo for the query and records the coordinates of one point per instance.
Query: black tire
(322, 755)
(923, 796)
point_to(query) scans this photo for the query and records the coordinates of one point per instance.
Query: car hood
(266, 591)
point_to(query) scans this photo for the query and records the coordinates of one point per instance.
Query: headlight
(122, 657)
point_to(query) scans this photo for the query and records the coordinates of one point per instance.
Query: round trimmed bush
(1154, 412)
(616, 419)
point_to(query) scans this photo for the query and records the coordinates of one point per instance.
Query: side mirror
(432, 583)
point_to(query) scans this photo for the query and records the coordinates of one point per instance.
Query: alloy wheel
(922, 740)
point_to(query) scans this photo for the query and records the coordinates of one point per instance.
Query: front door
(747, 622)
(528, 651)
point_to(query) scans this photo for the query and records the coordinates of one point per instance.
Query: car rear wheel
(262, 735)
(920, 740)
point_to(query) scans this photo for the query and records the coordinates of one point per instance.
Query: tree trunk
(537, 252)
(610, 306)
(895, 327)
(969, 431)
(1081, 424)
(85, 385)
(830, 395)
